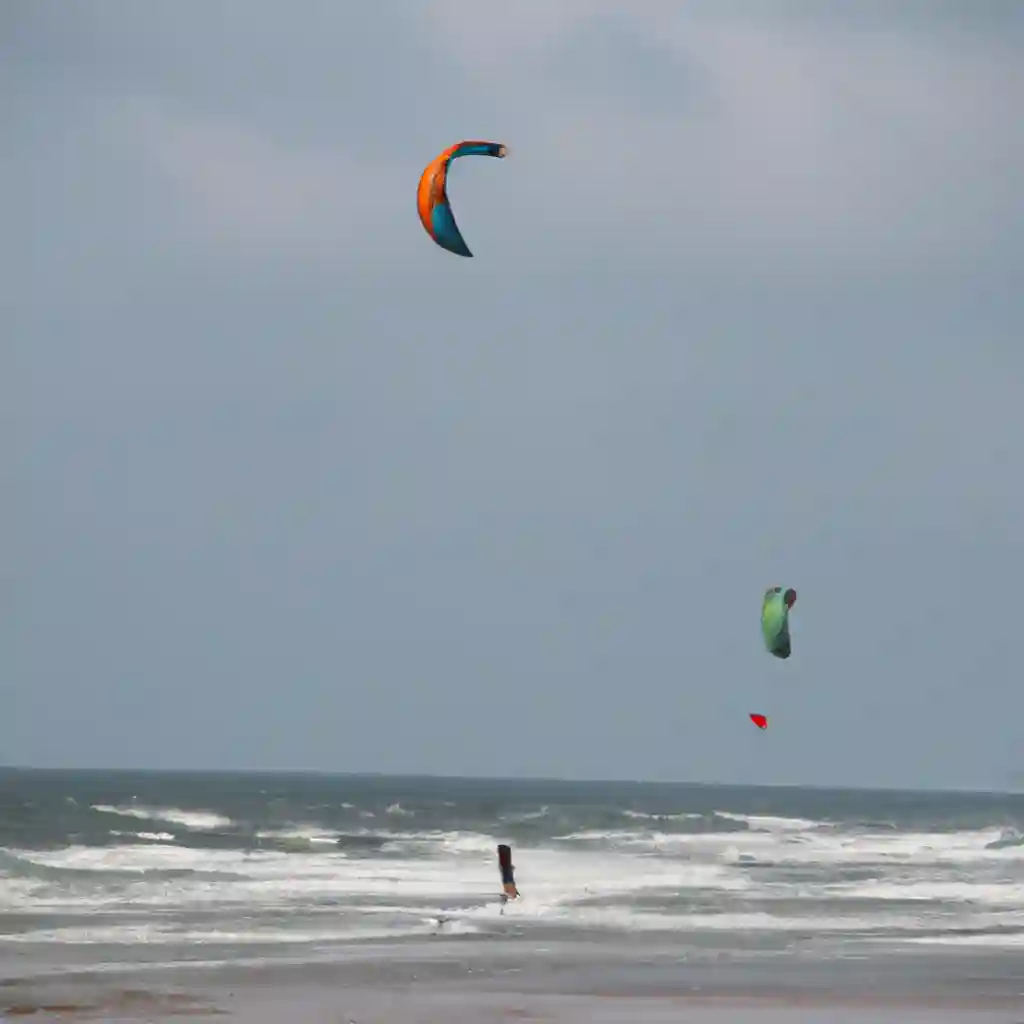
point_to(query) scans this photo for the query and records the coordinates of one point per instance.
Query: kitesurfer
(508, 878)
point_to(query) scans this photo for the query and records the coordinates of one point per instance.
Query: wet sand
(582, 987)
(317, 1004)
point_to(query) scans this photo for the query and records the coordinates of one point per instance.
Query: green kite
(775, 620)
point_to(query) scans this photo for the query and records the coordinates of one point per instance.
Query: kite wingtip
(502, 151)
(456, 248)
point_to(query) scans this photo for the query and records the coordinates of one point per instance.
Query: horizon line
(329, 773)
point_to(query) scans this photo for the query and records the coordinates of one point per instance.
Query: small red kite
(760, 721)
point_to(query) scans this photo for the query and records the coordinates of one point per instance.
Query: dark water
(107, 865)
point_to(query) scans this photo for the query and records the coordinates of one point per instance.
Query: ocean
(163, 868)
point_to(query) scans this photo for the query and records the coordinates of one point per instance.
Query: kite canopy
(760, 721)
(432, 195)
(775, 620)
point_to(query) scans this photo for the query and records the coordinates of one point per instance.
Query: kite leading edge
(432, 195)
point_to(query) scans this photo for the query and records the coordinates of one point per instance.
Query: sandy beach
(389, 985)
(298, 1004)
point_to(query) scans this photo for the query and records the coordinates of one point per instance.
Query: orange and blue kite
(432, 195)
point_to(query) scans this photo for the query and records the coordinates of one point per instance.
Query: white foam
(196, 821)
(788, 845)
(148, 857)
(1005, 894)
(152, 934)
(153, 837)
(629, 920)
(994, 940)
(465, 871)
(592, 879)
(527, 816)
(644, 816)
(771, 823)
(299, 836)
(921, 848)
(442, 842)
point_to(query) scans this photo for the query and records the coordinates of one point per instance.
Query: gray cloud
(296, 488)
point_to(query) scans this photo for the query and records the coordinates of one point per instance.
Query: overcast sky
(285, 485)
